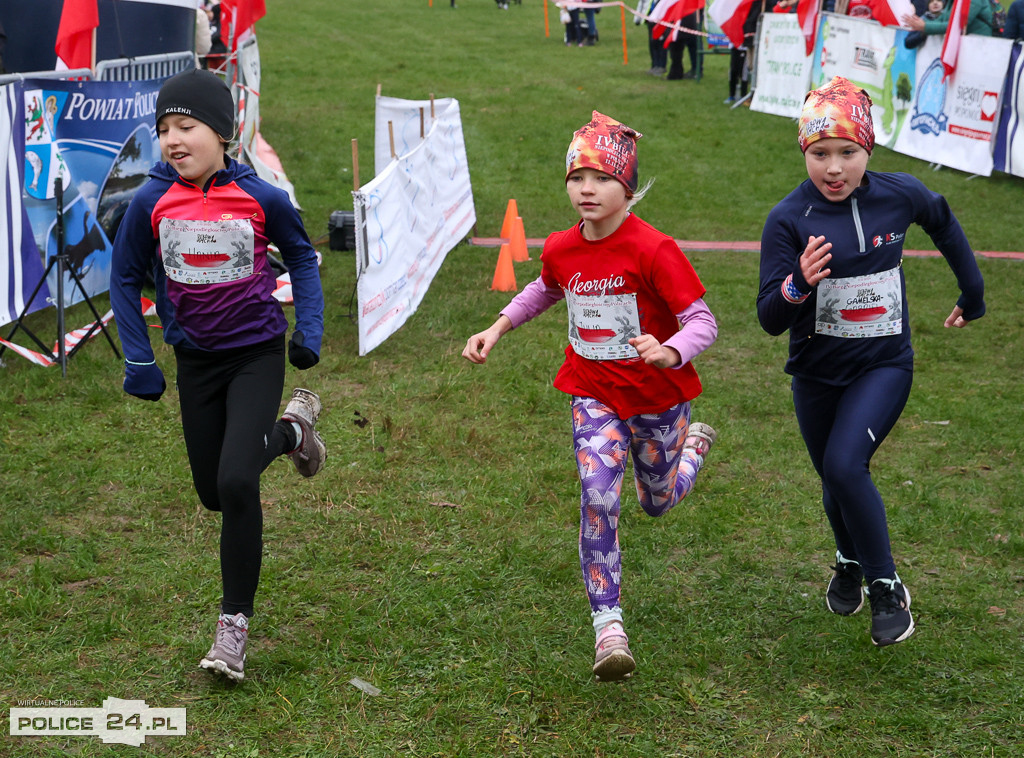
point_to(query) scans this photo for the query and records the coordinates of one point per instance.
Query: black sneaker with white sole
(845, 593)
(891, 621)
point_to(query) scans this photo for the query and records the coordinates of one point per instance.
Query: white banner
(407, 218)
(952, 122)
(410, 121)
(783, 70)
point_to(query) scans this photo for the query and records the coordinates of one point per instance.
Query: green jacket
(979, 19)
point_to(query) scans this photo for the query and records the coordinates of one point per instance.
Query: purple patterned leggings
(664, 475)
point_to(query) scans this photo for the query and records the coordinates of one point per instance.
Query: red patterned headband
(608, 146)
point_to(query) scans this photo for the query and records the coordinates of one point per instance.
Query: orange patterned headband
(839, 109)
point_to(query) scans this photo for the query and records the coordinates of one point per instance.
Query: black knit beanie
(201, 95)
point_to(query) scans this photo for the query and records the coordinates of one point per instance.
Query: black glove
(299, 355)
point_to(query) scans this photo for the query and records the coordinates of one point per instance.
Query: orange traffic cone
(517, 241)
(510, 216)
(504, 272)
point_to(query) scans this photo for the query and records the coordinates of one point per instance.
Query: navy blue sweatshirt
(867, 231)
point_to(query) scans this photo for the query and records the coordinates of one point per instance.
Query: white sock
(605, 617)
(298, 434)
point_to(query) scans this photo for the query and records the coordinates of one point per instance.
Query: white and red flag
(667, 13)
(889, 12)
(76, 41)
(954, 33)
(237, 18)
(808, 12)
(730, 15)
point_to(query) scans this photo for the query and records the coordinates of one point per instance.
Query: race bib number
(600, 326)
(207, 252)
(860, 306)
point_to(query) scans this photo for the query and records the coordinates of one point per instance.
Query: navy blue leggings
(843, 427)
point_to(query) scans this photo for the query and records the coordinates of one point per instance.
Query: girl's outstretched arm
(478, 347)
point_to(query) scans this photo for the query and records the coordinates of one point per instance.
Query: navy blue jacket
(867, 231)
(1015, 21)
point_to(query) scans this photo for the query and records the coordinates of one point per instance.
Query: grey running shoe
(612, 659)
(845, 593)
(700, 438)
(891, 621)
(227, 655)
(304, 409)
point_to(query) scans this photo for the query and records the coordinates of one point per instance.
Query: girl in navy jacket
(832, 275)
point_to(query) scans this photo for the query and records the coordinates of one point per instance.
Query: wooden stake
(432, 116)
(378, 89)
(421, 123)
(391, 139)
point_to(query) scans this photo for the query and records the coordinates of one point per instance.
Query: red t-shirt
(634, 276)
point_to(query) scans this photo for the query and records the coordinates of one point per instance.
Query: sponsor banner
(407, 219)
(783, 67)
(875, 58)
(100, 139)
(952, 122)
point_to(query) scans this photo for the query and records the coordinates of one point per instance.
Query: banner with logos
(99, 138)
(407, 218)
(952, 122)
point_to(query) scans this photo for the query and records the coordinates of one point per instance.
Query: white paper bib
(207, 252)
(860, 306)
(600, 326)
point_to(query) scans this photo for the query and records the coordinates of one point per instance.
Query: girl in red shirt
(636, 321)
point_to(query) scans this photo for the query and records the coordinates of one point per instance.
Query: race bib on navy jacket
(858, 318)
(208, 254)
(632, 282)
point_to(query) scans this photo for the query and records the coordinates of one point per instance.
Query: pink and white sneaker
(699, 438)
(612, 659)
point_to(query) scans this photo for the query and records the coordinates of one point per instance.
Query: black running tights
(230, 401)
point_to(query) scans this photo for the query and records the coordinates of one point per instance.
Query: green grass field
(435, 556)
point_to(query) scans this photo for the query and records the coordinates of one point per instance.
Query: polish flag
(238, 17)
(668, 13)
(730, 15)
(951, 42)
(808, 12)
(889, 12)
(75, 43)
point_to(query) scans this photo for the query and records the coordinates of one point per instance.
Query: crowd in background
(669, 56)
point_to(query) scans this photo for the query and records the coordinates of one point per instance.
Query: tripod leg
(97, 324)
